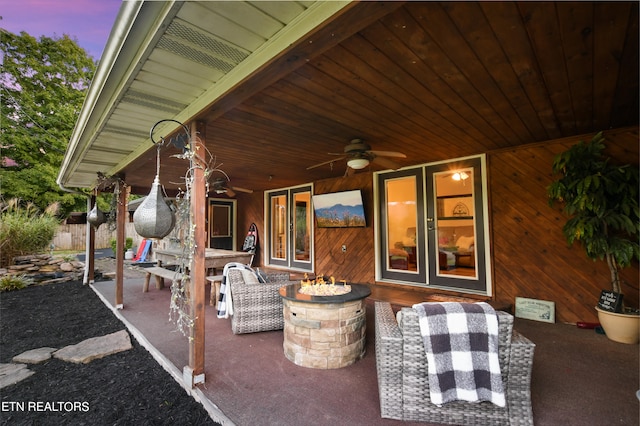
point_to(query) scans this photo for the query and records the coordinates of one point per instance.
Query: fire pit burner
(324, 331)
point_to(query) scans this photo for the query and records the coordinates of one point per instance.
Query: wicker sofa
(256, 306)
(403, 379)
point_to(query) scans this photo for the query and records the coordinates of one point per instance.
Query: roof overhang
(172, 60)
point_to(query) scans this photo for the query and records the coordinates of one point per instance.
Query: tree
(44, 83)
(601, 200)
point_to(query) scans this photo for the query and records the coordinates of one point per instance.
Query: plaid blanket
(461, 343)
(225, 302)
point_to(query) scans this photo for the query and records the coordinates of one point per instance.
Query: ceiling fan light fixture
(460, 176)
(358, 163)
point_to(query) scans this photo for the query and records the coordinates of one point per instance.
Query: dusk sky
(89, 22)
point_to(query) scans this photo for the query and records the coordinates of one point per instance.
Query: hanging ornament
(96, 217)
(154, 218)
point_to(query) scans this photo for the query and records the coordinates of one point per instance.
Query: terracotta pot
(622, 328)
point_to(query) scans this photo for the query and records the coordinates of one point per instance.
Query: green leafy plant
(128, 244)
(601, 200)
(25, 230)
(13, 282)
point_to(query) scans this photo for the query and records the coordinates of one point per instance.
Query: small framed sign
(610, 301)
(533, 309)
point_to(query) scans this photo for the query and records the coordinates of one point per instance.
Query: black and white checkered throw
(461, 343)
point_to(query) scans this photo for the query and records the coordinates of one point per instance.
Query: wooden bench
(215, 281)
(160, 273)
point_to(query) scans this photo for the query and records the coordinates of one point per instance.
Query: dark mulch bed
(121, 389)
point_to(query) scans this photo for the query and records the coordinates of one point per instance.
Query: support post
(194, 373)
(90, 256)
(121, 218)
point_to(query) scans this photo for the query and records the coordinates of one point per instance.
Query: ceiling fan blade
(388, 154)
(230, 192)
(326, 162)
(248, 191)
(385, 162)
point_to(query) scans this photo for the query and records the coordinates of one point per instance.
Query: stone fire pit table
(324, 331)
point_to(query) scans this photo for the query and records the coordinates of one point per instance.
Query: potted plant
(128, 245)
(601, 200)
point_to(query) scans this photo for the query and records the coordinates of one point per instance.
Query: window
(290, 236)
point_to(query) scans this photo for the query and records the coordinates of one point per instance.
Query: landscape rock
(95, 348)
(66, 267)
(11, 374)
(34, 356)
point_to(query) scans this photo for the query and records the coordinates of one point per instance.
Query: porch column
(194, 373)
(90, 249)
(121, 218)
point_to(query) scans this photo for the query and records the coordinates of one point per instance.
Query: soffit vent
(207, 42)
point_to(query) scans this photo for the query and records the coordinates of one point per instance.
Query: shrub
(25, 230)
(128, 243)
(13, 282)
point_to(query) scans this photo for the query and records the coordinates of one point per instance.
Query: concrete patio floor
(579, 377)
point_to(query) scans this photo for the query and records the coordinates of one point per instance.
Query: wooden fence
(74, 237)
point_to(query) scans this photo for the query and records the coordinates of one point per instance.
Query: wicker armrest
(518, 386)
(274, 277)
(388, 361)
(256, 307)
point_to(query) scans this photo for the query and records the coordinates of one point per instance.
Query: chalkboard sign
(610, 301)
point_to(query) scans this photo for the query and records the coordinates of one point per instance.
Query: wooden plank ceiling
(432, 80)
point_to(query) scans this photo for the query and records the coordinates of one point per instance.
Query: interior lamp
(460, 176)
(358, 163)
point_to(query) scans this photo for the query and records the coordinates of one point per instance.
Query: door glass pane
(401, 205)
(279, 227)
(455, 222)
(301, 225)
(221, 225)
(220, 220)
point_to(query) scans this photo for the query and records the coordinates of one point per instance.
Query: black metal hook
(182, 142)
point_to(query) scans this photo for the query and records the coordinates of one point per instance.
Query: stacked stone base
(44, 269)
(324, 336)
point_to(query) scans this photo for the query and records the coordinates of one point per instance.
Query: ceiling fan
(219, 186)
(359, 155)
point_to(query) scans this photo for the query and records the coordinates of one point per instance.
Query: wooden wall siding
(357, 264)
(530, 254)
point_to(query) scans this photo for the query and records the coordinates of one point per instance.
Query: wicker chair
(404, 384)
(258, 306)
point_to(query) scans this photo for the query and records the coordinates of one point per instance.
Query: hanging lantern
(154, 218)
(96, 217)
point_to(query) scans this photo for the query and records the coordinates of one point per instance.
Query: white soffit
(192, 53)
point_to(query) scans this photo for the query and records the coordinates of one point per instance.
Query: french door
(289, 218)
(432, 227)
